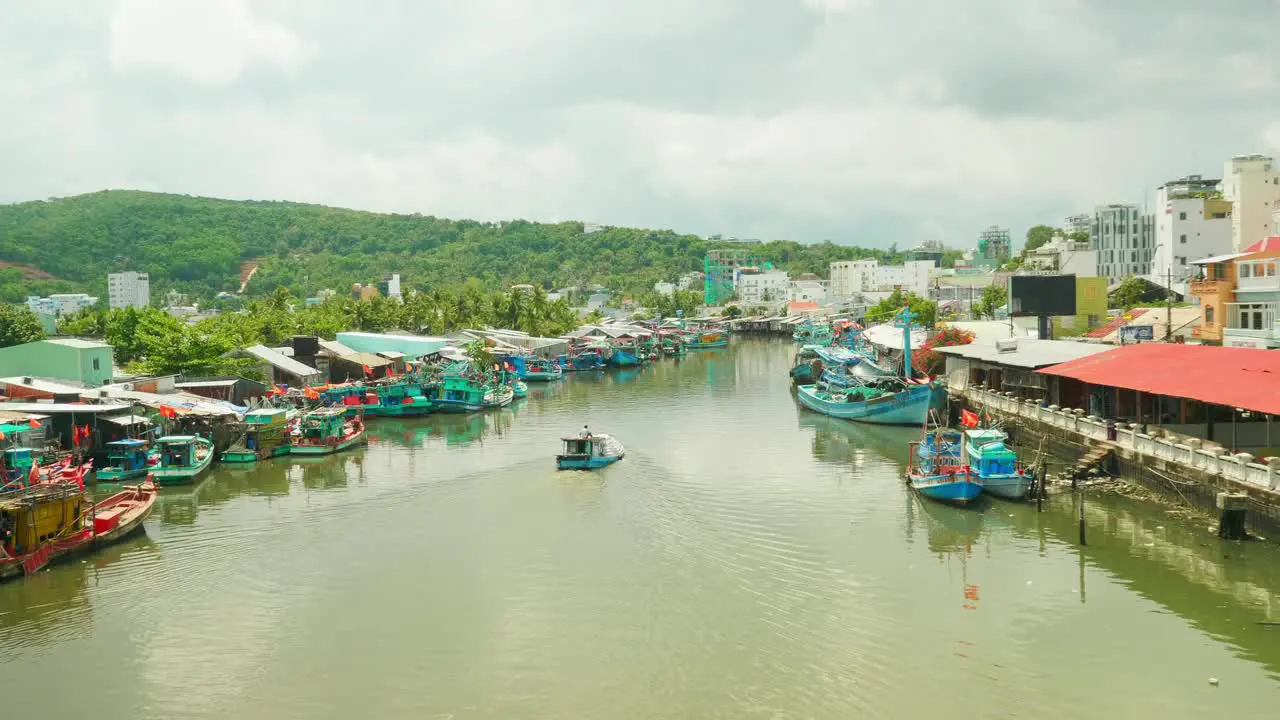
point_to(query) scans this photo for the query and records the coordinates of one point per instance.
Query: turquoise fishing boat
(936, 468)
(496, 396)
(183, 459)
(400, 399)
(541, 371)
(519, 389)
(812, 333)
(996, 465)
(846, 368)
(326, 431)
(708, 340)
(589, 452)
(889, 401)
(127, 459)
(806, 366)
(459, 394)
(264, 434)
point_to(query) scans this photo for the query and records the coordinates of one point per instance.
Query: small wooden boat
(460, 394)
(996, 465)
(519, 389)
(496, 396)
(183, 458)
(589, 452)
(806, 366)
(541, 372)
(708, 340)
(325, 431)
(936, 468)
(53, 521)
(403, 399)
(128, 459)
(888, 401)
(264, 435)
(811, 333)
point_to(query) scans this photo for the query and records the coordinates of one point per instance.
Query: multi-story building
(761, 286)
(851, 277)
(58, 305)
(1193, 221)
(128, 289)
(808, 288)
(1074, 224)
(1123, 236)
(994, 248)
(1065, 256)
(689, 281)
(1252, 184)
(927, 250)
(662, 287)
(1239, 295)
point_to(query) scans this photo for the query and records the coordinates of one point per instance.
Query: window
(1271, 269)
(1182, 259)
(1244, 270)
(1182, 216)
(95, 363)
(1182, 239)
(1208, 314)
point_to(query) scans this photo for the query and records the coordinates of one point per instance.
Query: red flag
(33, 423)
(968, 419)
(368, 371)
(75, 434)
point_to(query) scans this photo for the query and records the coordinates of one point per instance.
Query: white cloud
(207, 42)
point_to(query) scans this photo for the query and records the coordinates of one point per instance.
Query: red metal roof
(1114, 324)
(799, 305)
(1236, 377)
(1264, 245)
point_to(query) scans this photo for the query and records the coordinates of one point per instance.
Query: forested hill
(197, 245)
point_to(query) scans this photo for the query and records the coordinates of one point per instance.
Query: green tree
(1079, 237)
(1128, 293)
(1037, 236)
(925, 310)
(993, 298)
(18, 325)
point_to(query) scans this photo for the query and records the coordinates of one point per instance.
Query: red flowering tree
(928, 360)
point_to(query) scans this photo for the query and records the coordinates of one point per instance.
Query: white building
(662, 287)
(128, 289)
(690, 281)
(1063, 255)
(1252, 185)
(808, 288)
(761, 287)
(1077, 224)
(853, 277)
(1124, 238)
(58, 305)
(393, 287)
(1192, 222)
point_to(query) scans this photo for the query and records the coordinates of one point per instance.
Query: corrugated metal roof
(1218, 259)
(278, 361)
(336, 347)
(127, 420)
(62, 408)
(57, 387)
(1234, 377)
(78, 344)
(207, 383)
(1029, 353)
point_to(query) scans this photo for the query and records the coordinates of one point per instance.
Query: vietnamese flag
(33, 423)
(968, 419)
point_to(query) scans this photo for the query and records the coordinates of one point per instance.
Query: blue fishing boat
(519, 389)
(806, 367)
(459, 394)
(846, 368)
(541, 371)
(589, 452)
(888, 401)
(813, 333)
(936, 468)
(126, 460)
(996, 465)
(583, 358)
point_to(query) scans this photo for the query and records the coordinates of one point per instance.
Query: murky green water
(748, 559)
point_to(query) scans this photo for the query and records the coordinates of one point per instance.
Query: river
(748, 559)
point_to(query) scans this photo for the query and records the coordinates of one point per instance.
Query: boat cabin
(267, 417)
(988, 453)
(456, 388)
(31, 517)
(321, 424)
(592, 446)
(128, 454)
(15, 464)
(177, 451)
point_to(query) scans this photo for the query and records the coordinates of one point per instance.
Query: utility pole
(1168, 305)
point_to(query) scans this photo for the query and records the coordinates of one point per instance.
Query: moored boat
(589, 452)
(264, 434)
(52, 521)
(325, 431)
(128, 459)
(183, 459)
(888, 401)
(936, 468)
(708, 340)
(806, 366)
(519, 389)
(996, 465)
(541, 371)
(813, 333)
(399, 399)
(459, 394)
(496, 396)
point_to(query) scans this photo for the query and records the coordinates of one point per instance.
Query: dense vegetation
(924, 309)
(18, 325)
(196, 245)
(150, 341)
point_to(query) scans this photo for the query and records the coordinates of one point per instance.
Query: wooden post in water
(1231, 512)
(1082, 542)
(1040, 479)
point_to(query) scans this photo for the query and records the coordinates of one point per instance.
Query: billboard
(1038, 295)
(1134, 333)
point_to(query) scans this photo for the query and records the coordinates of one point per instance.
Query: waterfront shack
(86, 362)
(1009, 365)
(280, 369)
(232, 389)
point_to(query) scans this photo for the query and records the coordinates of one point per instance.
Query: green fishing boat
(264, 434)
(183, 459)
(325, 431)
(126, 460)
(401, 399)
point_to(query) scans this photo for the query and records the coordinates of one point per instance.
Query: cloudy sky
(861, 121)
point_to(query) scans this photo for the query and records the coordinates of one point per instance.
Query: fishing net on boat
(611, 446)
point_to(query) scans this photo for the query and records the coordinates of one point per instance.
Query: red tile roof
(1235, 377)
(802, 305)
(1264, 245)
(1114, 324)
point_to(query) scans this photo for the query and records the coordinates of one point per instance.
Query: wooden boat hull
(723, 342)
(343, 445)
(402, 410)
(1009, 487)
(132, 506)
(245, 455)
(541, 376)
(909, 407)
(952, 489)
(584, 462)
(118, 475)
(501, 399)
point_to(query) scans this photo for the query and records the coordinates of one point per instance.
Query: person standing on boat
(584, 433)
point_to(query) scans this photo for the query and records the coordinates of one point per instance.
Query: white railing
(1240, 467)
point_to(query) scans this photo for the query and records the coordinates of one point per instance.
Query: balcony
(1267, 283)
(1208, 287)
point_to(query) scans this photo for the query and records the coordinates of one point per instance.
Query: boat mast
(905, 316)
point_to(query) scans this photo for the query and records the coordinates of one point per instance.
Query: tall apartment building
(995, 246)
(1252, 184)
(850, 277)
(1124, 237)
(1077, 224)
(761, 286)
(1193, 221)
(128, 289)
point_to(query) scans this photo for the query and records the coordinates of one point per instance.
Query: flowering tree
(928, 360)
